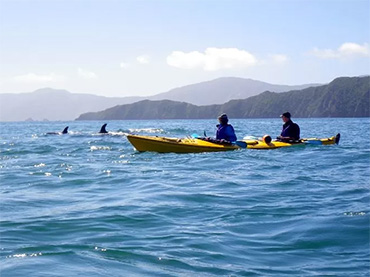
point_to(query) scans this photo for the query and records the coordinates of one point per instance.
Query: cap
(286, 114)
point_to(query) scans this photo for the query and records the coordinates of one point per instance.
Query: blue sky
(127, 48)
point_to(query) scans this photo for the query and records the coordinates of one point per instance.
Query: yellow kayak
(197, 145)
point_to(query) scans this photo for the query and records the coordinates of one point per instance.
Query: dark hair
(223, 118)
(286, 114)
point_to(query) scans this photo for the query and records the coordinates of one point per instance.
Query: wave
(146, 130)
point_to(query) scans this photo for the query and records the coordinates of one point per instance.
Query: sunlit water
(85, 204)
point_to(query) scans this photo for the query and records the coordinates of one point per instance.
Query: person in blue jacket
(225, 131)
(290, 131)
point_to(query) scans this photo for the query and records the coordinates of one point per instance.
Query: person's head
(285, 116)
(223, 119)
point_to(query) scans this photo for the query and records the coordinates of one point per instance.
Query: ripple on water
(90, 205)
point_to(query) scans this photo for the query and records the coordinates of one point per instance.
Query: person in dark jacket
(225, 131)
(290, 129)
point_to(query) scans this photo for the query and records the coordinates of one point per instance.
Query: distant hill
(53, 104)
(343, 97)
(221, 90)
(147, 109)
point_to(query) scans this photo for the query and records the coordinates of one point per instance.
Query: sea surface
(85, 204)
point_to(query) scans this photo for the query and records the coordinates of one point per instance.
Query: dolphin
(65, 131)
(103, 130)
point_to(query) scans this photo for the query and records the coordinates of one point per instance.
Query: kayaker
(290, 131)
(225, 131)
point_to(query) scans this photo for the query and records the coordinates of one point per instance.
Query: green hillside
(343, 97)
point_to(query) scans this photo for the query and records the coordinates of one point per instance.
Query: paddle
(319, 142)
(312, 141)
(241, 144)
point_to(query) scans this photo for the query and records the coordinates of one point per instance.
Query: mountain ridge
(343, 97)
(54, 104)
(60, 104)
(222, 89)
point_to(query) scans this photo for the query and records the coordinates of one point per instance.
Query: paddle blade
(314, 141)
(241, 144)
(337, 138)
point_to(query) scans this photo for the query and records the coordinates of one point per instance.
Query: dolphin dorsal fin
(102, 129)
(65, 131)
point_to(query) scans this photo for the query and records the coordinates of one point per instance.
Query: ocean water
(85, 204)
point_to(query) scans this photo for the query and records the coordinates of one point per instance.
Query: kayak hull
(197, 145)
(175, 145)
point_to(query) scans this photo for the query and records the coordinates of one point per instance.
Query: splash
(96, 148)
(24, 255)
(147, 130)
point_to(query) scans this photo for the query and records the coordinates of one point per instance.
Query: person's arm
(218, 126)
(231, 133)
(296, 132)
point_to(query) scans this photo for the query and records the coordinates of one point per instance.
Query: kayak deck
(198, 145)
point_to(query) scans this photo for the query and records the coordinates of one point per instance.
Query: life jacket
(225, 131)
(290, 129)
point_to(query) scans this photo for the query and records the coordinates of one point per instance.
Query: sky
(140, 48)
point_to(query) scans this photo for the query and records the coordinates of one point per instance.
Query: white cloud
(212, 59)
(86, 74)
(38, 78)
(346, 50)
(354, 49)
(189, 60)
(143, 59)
(124, 65)
(324, 53)
(278, 58)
